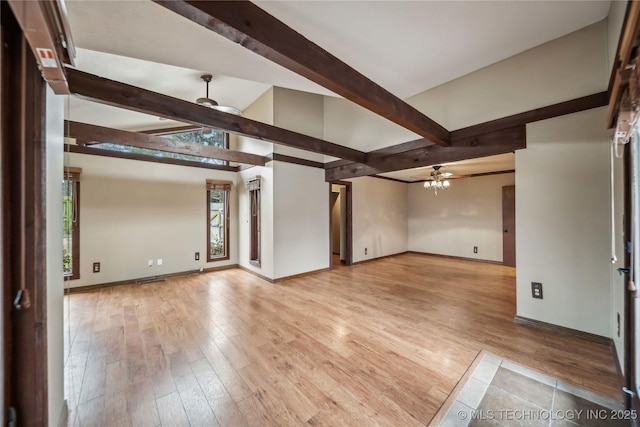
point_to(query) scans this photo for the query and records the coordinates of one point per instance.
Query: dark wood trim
(499, 142)
(145, 280)
(349, 219)
(364, 261)
(556, 110)
(79, 149)
(471, 175)
(133, 98)
(88, 133)
(294, 160)
(244, 167)
(227, 226)
(23, 144)
(253, 28)
(485, 261)
(598, 339)
(171, 130)
(392, 179)
(299, 275)
(392, 149)
(255, 273)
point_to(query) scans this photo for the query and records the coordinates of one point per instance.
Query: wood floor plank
(381, 343)
(171, 411)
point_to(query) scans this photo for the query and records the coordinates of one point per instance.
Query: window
(206, 136)
(218, 217)
(254, 223)
(71, 227)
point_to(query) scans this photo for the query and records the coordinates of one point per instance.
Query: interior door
(509, 225)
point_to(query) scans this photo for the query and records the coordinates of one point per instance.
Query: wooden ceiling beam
(133, 98)
(479, 134)
(250, 26)
(498, 142)
(87, 133)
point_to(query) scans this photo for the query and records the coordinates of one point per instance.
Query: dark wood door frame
(509, 225)
(349, 221)
(630, 402)
(22, 141)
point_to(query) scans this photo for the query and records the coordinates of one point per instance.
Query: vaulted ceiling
(406, 47)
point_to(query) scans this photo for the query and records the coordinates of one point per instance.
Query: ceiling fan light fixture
(213, 104)
(438, 180)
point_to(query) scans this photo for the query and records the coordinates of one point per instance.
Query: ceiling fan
(208, 102)
(439, 180)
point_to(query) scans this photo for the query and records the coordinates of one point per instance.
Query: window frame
(72, 175)
(225, 187)
(255, 226)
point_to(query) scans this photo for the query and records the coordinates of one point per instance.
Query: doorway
(340, 224)
(509, 225)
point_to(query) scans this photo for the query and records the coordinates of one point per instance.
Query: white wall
(562, 222)
(301, 220)
(55, 288)
(453, 222)
(379, 217)
(133, 211)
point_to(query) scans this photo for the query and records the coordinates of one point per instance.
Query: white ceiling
(405, 46)
(501, 162)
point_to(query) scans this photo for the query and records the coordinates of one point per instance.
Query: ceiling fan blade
(457, 176)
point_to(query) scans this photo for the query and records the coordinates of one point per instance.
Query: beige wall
(562, 222)
(300, 112)
(300, 219)
(55, 289)
(563, 69)
(132, 212)
(379, 218)
(453, 222)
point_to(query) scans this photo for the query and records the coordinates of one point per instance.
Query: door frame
(349, 220)
(23, 192)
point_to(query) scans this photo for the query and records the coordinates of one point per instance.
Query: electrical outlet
(197, 256)
(536, 290)
(150, 263)
(365, 251)
(96, 267)
(159, 261)
(475, 249)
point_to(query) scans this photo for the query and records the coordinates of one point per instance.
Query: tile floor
(502, 393)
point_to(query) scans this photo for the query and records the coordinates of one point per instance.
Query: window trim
(225, 186)
(72, 175)
(255, 234)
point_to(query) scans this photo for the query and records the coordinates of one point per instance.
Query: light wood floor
(381, 343)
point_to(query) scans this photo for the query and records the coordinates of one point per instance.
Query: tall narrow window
(71, 218)
(218, 220)
(254, 222)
